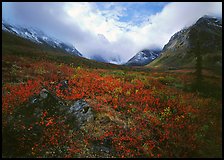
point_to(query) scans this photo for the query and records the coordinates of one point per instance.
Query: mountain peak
(209, 20)
(143, 57)
(210, 17)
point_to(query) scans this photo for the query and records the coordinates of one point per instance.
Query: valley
(59, 105)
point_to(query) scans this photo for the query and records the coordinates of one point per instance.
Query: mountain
(38, 36)
(115, 60)
(143, 57)
(112, 60)
(14, 47)
(205, 34)
(98, 58)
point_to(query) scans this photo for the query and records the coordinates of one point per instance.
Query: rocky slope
(206, 33)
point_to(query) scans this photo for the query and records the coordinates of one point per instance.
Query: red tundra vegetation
(150, 114)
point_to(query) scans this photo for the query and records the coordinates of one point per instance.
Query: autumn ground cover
(148, 114)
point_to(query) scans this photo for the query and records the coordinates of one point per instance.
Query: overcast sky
(110, 29)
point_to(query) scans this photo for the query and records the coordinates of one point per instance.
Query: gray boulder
(82, 112)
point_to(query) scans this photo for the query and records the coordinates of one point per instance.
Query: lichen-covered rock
(79, 113)
(82, 112)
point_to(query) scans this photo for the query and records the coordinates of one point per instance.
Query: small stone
(44, 93)
(34, 100)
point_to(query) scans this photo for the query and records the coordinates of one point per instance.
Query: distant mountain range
(38, 36)
(143, 57)
(206, 33)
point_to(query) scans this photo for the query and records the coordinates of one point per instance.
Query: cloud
(110, 29)
(50, 17)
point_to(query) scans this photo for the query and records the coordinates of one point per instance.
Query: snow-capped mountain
(143, 57)
(38, 36)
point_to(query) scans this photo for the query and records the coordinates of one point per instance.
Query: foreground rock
(78, 114)
(82, 112)
(31, 123)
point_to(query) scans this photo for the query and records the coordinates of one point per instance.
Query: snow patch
(44, 38)
(17, 32)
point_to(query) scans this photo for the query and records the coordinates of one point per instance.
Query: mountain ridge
(38, 36)
(178, 51)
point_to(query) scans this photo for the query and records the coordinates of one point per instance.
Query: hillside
(178, 51)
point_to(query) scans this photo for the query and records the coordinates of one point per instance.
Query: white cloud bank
(99, 31)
